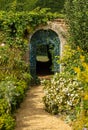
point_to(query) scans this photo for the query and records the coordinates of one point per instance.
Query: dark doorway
(44, 64)
(44, 43)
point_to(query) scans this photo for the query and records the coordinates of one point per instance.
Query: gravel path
(32, 116)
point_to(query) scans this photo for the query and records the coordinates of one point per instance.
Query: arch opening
(44, 61)
(44, 47)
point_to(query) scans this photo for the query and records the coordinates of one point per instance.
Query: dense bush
(14, 80)
(76, 63)
(12, 92)
(55, 6)
(62, 95)
(19, 4)
(82, 75)
(72, 58)
(16, 26)
(6, 122)
(28, 5)
(77, 17)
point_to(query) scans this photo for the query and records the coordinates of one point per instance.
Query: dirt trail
(32, 116)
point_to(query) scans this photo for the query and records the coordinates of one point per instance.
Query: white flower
(72, 95)
(69, 103)
(68, 94)
(2, 44)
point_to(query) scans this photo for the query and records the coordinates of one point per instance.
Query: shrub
(77, 17)
(82, 75)
(62, 94)
(12, 92)
(6, 122)
(4, 108)
(72, 58)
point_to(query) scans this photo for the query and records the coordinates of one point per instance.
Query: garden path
(32, 116)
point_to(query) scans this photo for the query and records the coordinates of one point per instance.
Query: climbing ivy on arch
(17, 26)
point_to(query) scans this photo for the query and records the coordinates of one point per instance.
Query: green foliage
(77, 17)
(4, 108)
(20, 24)
(11, 63)
(81, 122)
(62, 95)
(19, 5)
(82, 76)
(28, 5)
(76, 62)
(12, 92)
(72, 58)
(55, 6)
(6, 122)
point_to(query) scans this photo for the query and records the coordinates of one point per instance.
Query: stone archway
(44, 37)
(59, 28)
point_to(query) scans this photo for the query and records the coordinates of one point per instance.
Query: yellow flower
(78, 48)
(86, 97)
(85, 65)
(82, 58)
(77, 70)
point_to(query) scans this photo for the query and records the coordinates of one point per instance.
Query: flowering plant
(62, 94)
